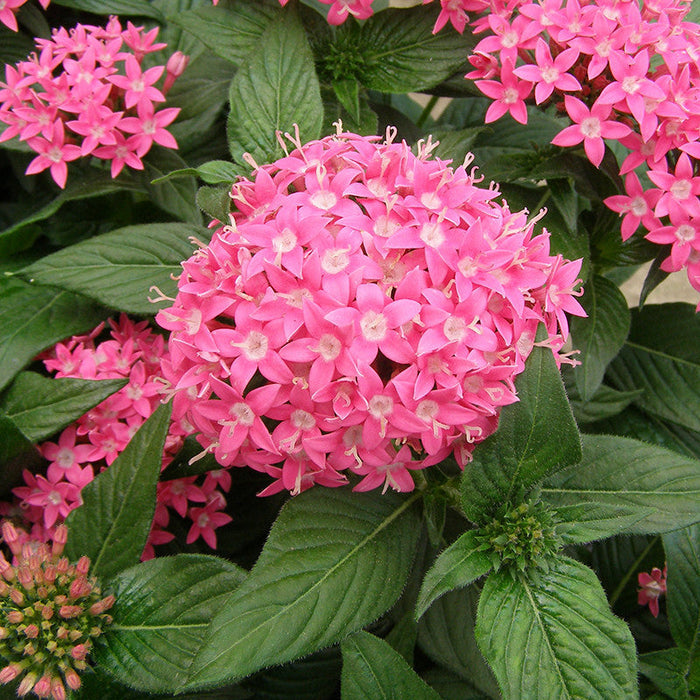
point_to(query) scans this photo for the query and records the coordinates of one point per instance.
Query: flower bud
(174, 68)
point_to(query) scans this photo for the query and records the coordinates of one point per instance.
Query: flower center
(680, 189)
(329, 347)
(590, 128)
(243, 413)
(373, 326)
(335, 260)
(255, 346)
(454, 328)
(432, 235)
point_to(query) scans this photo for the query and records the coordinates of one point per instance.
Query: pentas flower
(86, 94)
(88, 446)
(651, 587)
(51, 612)
(9, 9)
(365, 310)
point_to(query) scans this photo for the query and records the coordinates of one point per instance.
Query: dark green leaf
(40, 406)
(667, 668)
(599, 336)
(216, 172)
(396, 51)
(655, 275)
(450, 686)
(162, 612)
(201, 93)
(624, 476)
(536, 436)
(458, 566)
(453, 646)
(17, 453)
(21, 235)
(348, 94)
(118, 268)
(661, 356)
(112, 524)
(454, 145)
(215, 202)
(233, 32)
(586, 522)
(372, 669)
(334, 561)
(140, 8)
(555, 637)
(174, 197)
(604, 403)
(683, 598)
(32, 318)
(275, 90)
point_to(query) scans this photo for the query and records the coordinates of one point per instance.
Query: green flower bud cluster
(521, 537)
(50, 613)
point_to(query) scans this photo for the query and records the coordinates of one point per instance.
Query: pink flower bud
(58, 691)
(174, 68)
(69, 611)
(16, 596)
(79, 652)
(10, 672)
(60, 538)
(72, 679)
(27, 684)
(43, 687)
(15, 617)
(83, 566)
(31, 631)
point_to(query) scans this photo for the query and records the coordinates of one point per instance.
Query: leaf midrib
(368, 538)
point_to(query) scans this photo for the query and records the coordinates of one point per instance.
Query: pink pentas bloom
(651, 587)
(86, 94)
(591, 126)
(509, 95)
(549, 73)
(8, 11)
(134, 353)
(364, 311)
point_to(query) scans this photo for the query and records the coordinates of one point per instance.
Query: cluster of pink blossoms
(365, 310)
(84, 95)
(95, 440)
(636, 77)
(651, 587)
(10, 8)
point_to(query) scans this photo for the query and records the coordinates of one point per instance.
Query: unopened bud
(83, 566)
(31, 631)
(174, 68)
(42, 688)
(10, 672)
(15, 617)
(69, 611)
(16, 596)
(27, 684)
(72, 679)
(58, 691)
(79, 651)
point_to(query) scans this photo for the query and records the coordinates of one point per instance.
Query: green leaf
(396, 51)
(454, 145)
(216, 172)
(88, 183)
(233, 32)
(112, 524)
(450, 686)
(118, 268)
(453, 646)
(334, 561)
(348, 93)
(667, 668)
(661, 356)
(140, 8)
(17, 453)
(556, 637)
(275, 90)
(683, 597)
(32, 318)
(201, 93)
(536, 436)
(600, 336)
(372, 669)
(174, 197)
(586, 522)
(215, 202)
(655, 275)
(162, 612)
(624, 476)
(460, 564)
(604, 403)
(40, 406)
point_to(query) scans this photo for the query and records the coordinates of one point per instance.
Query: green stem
(635, 565)
(426, 111)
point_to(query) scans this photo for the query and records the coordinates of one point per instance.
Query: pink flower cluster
(95, 440)
(84, 95)
(365, 310)
(636, 77)
(651, 587)
(9, 9)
